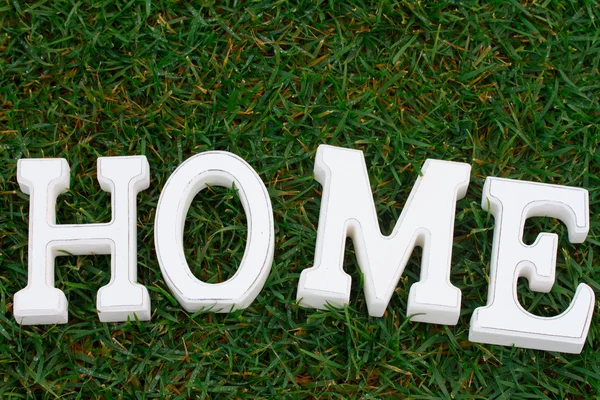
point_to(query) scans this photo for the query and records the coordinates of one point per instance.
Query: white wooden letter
(44, 179)
(427, 220)
(503, 320)
(216, 168)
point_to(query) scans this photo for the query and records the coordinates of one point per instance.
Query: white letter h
(44, 179)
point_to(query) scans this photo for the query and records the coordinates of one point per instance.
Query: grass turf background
(508, 87)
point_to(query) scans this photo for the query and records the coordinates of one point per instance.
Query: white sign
(347, 210)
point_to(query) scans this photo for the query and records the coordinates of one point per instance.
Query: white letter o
(214, 168)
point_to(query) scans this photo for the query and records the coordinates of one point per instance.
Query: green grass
(511, 88)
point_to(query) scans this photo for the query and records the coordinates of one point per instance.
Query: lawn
(511, 88)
